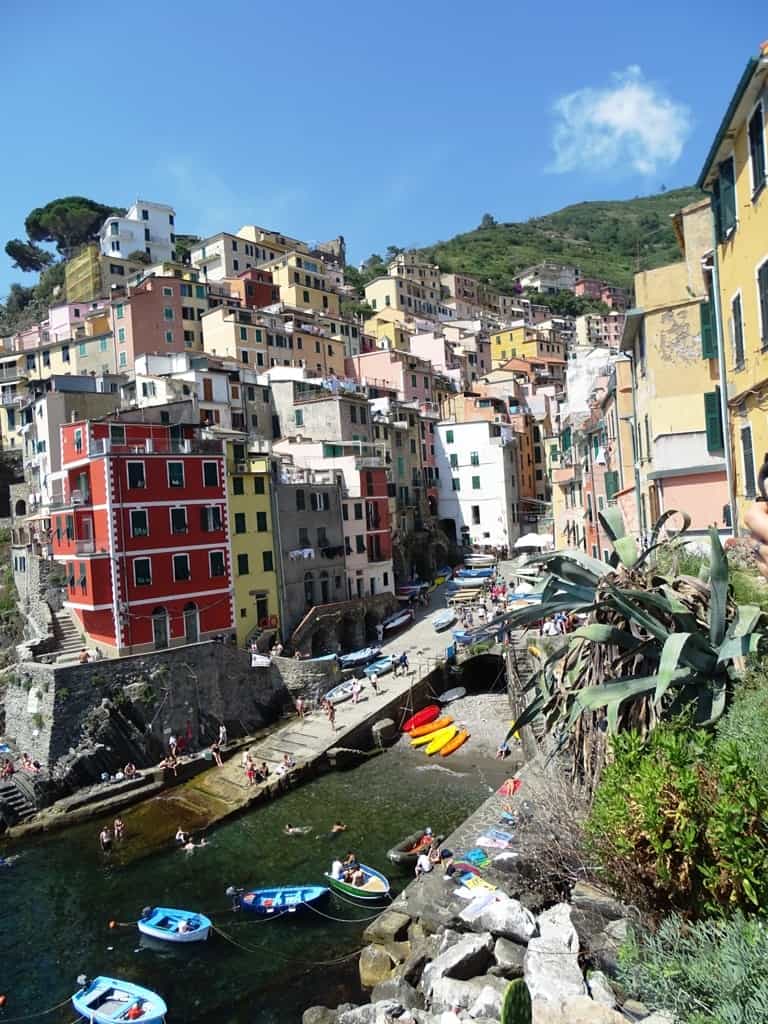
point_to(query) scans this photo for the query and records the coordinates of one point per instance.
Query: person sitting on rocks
(130, 770)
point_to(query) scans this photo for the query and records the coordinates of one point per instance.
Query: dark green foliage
(27, 256)
(604, 239)
(677, 822)
(139, 256)
(68, 222)
(184, 244)
(710, 972)
(517, 1007)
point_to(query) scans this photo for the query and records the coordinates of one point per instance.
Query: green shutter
(566, 438)
(708, 343)
(727, 198)
(762, 287)
(712, 421)
(611, 484)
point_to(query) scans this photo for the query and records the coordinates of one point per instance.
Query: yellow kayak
(427, 737)
(439, 739)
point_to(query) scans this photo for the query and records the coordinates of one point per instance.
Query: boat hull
(407, 851)
(359, 658)
(340, 693)
(425, 730)
(375, 887)
(427, 714)
(450, 695)
(379, 667)
(105, 1000)
(440, 739)
(163, 924)
(443, 620)
(458, 740)
(397, 622)
(283, 899)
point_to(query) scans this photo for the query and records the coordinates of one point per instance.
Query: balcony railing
(155, 446)
(87, 547)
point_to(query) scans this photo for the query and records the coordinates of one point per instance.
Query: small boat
(380, 667)
(397, 621)
(443, 619)
(407, 851)
(425, 730)
(358, 658)
(427, 737)
(281, 899)
(460, 738)
(427, 714)
(454, 694)
(439, 739)
(340, 693)
(474, 573)
(172, 925)
(322, 657)
(375, 885)
(477, 560)
(105, 1000)
(465, 583)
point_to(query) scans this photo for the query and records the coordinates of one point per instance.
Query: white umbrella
(533, 540)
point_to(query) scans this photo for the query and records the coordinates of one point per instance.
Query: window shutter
(737, 325)
(727, 198)
(712, 421)
(749, 462)
(716, 207)
(708, 346)
(762, 287)
(566, 439)
(611, 484)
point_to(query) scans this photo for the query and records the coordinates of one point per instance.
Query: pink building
(148, 320)
(588, 287)
(412, 377)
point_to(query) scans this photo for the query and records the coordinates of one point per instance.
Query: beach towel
(492, 844)
(480, 883)
(477, 857)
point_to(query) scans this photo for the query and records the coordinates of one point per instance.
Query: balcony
(155, 446)
(88, 547)
(370, 462)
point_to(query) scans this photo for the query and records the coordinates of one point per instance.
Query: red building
(378, 526)
(254, 288)
(143, 531)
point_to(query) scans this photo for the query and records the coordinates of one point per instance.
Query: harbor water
(57, 900)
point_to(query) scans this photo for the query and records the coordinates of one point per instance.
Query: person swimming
(297, 830)
(338, 826)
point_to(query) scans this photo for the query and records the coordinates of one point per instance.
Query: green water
(57, 900)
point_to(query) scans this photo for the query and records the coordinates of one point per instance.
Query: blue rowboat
(474, 574)
(358, 658)
(374, 885)
(340, 693)
(281, 899)
(172, 925)
(323, 657)
(105, 1000)
(443, 619)
(380, 667)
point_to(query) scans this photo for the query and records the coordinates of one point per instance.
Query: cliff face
(82, 720)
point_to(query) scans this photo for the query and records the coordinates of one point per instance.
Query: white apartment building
(477, 464)
(548, 277)
(147, 227)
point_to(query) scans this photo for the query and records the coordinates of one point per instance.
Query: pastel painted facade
(302, 283)
(147, 227)
(735, 176)
(411, 286)
(411, 377)
(548, 277)
(91, 275)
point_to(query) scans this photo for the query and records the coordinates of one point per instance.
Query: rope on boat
(32, 1016)
(275, 952)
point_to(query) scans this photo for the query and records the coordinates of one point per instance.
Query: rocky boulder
(375, 966)
(574, 1010)
(319, 1015)
(509, 957)
(600, 989)
(399, 991)
(505, 917)
(448, 992)
(551, 967)
(465, 959)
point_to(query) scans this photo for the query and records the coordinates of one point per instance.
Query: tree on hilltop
(27, 256)
(68, 222)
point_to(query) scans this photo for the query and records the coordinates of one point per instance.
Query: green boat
(374, 886)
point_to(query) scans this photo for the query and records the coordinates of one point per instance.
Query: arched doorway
(191, 623)
(160, 629)
(20, 509)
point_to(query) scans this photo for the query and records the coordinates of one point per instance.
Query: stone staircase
(68, 640)
(15, 804)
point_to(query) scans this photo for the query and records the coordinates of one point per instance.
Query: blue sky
(393, 122)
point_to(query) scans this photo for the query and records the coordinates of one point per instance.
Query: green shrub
(711, 972)
(678, 822)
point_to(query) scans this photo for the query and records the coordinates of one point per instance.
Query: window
(454, 460)
(181, 568)
(116, 433)
(136, 476)
(724, 199)
(210, 474)
(300, 501)
(475, 483)
(243, 334)
(119, 311)
(169, 337)
(267, 562)
(166, 291)
(81, 348)
(455, 484)
(749, 461)
(358, 510)
(240, 522)
(737, 332)
(142, 572)
(139, 523)
(474, 458)
(261, 522)
(319, 501)
(360, 543)
(449, 437)
(123, 361)
(708, 333)
(210, 518)
(238, 486)
(762, 291)
(242, 565)
(258, 485)
(102, 344)
(303, 537)
(475, 515)
(757, 149)
(712, 422)
(175, 474)
(121, 334)
(167, 313)
(299, 417)
(178, 520)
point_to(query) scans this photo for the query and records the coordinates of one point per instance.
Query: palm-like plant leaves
(651, 645)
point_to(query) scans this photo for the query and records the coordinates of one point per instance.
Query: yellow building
(251, 337)
(254, 561)
(391, 329)
(735, 176)
(507, 344)
(678, 429)
(91, 275)
(303, 284)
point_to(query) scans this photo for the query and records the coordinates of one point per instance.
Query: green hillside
(604, 239)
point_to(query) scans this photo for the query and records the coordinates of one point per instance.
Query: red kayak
(423, 717)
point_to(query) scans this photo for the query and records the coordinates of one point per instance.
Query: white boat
(479, 561)
(397, 621)
(443, 619)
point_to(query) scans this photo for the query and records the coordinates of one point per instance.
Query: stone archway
(20, 508)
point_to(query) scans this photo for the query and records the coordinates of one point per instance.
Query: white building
(477, 465)
(147, 227)
(548, 277)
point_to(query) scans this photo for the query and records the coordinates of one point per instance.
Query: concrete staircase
(17, 804)
(68, 640)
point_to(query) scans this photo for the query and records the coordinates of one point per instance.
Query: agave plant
(650, 646)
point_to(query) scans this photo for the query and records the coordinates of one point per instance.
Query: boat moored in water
(374, 886)
(172, 925)
(105, 1000)
(407, 851)
(280, 899)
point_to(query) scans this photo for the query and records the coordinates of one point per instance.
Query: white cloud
(629, 124)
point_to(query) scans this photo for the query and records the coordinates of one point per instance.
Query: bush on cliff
(678, 821)
(710, 972)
